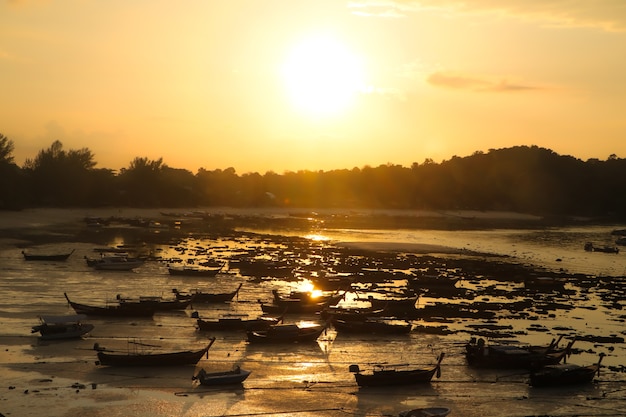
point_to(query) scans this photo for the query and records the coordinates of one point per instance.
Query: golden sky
(287, 85)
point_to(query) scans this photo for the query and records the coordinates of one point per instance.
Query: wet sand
(61, 379)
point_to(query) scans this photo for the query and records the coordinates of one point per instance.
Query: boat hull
(276, 334)
(121, 310)
(63, 332)
(52, 257)
(156, 359)
(234, 377)
(386, 378)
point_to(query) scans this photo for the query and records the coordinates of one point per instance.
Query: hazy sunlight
(322, 75)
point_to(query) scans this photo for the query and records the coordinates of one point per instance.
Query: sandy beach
(62, 379)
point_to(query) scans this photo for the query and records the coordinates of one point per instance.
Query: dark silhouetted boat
(590, 247)
(47, 257)
(372, 326)
(157, 302)
(62, 327)
(426, 412)
(206, 297)
(231, 322)
(233, 377)
(287, 333)
(391, 375)
(195, 271)
(564, 374)
(113, 310)
(187, 357)
(394, 306)
(301, 302)
(480, 355)
(115, 263)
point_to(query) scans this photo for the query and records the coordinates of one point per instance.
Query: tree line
(527, 179)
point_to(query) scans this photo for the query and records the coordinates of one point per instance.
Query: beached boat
(350, 313)
(113, 310)
(419, 280)
(426, 412)
(372, 326)
(564, 374)
(206, 297)
(62, 327)
(233, 377)
(590, 247)
(292, 308)
(333, 281)
(195, 271)
(263, 267)
(47, 257)
(394, 306)
(304, 297)
(391, 375)
(287, 333)
(157, 302)
(115, 263)
(135, 358)
(542, 282)
(301, 302)
(231, 322)
(478, 354)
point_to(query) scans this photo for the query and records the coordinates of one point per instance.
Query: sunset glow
(322, 76)
(312, 85)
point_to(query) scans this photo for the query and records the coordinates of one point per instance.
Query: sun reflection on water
(317, 237)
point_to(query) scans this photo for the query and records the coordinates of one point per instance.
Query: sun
(322, 75)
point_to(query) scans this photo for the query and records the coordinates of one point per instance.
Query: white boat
(62, 327)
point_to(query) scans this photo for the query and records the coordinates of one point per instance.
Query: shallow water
(313, 379)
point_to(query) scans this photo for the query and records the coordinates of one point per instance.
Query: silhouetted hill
(526, 179)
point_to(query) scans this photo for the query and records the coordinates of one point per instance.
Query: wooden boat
(114, 310)
(300, 302)
(238, 322)
(421, 280)
(372, 326)
(232, 377)
(348, 313)
(157, 302)
(394, 306)
(426, 412)
(195, 271)
(47, 257)
(564, 374)
(513, 357)
(308, 297)
(187, 357)
(205, 297)
(263, 267)
(544, 282)
(552, 347)
(292, 308)
(333, 281)
(62, 327)
(115, 263)
(382, 376)
(590, 247)
(287, 333)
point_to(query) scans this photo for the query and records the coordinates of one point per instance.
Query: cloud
(463, 82)
(608, 15)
